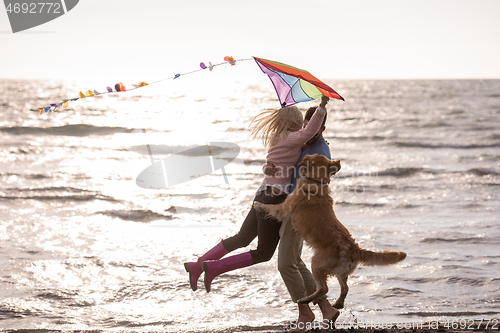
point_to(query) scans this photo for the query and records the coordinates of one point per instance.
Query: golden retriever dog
(335, 251)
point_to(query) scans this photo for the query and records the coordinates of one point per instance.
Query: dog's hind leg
(344, 289)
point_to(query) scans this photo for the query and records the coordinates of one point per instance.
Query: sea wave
(398, 292)
(358, 137)
(483, 172)
(449, 280)
(43, 176)
(449, 314)
(136, 215)
(364, 204)
(71, 298)
(494, 136)
(66, 130)
(28, 176)
(434, 124)
(51, 189)
(461, 240)
(55, 193)
(438, 146)
(398, 172)
(65, 198)
(403, 171)
(8, 311)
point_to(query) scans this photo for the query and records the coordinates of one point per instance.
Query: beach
(421, 327)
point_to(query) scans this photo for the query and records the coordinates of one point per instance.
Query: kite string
(65, 101)
(197, 70)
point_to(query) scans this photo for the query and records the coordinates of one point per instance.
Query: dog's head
(319, 167)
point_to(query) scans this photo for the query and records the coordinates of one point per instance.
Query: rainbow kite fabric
(294, 85)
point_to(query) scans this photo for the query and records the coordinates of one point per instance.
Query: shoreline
(491, 325)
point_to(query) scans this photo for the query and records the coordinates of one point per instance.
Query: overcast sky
(332, 39)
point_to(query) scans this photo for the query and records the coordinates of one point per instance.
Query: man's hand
(269, 169)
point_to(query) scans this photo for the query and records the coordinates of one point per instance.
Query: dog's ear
(334, 167)
(305, 161)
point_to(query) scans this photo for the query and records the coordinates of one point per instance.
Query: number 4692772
(34, 8)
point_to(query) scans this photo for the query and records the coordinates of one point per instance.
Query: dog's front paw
(258, 205)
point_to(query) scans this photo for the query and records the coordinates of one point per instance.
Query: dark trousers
(256, 224)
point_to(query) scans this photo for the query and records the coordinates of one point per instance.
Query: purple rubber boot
(217, 267)
(195, 269)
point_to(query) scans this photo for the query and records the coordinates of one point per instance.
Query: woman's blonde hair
(271, 126)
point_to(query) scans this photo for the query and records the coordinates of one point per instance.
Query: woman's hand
(269, 169)
(324, 101)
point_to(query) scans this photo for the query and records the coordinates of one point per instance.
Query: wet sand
(433, 327)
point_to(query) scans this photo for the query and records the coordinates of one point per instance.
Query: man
(297, 277)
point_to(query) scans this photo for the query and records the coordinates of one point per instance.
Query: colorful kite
(293, 85)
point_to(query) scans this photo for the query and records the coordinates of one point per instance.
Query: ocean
(83, 247)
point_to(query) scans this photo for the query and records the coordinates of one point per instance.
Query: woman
(281, 130)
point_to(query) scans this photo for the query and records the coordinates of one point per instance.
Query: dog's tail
(370, 258)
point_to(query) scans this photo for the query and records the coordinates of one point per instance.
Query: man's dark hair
(310, 112)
